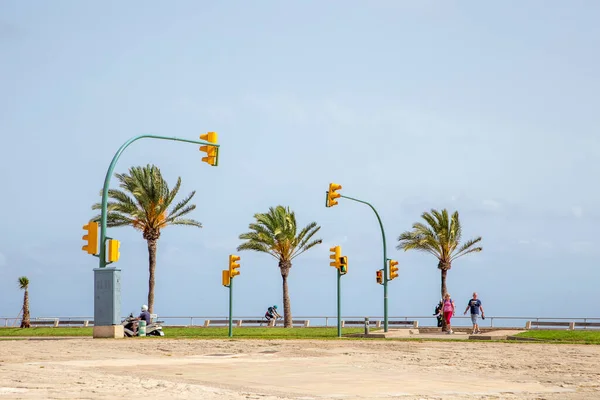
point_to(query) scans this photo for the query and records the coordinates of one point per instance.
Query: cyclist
(272, 313)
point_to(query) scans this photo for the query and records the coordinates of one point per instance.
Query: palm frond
(276, 232)
(255, 246)
(186, 221)
(467, 248)
(143, 200)
(23, 282)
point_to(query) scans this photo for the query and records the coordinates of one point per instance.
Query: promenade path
(296, 369)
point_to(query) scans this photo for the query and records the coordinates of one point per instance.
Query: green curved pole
(113, 163)
(113, 302)
(385, 272)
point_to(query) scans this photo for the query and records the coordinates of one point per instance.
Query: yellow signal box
(379, 276)
(332, 195)
(212, 152)
(336, 253)
(91, 246)
(226, 278)
(113, 250)
(233, 266)
(393, 269)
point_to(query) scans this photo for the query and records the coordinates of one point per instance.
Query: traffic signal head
(113, 250)
(336, 253)
(233, 266)
(91, 239)
(380, 277)
(332, 195)
(226, 278)
(393, 269)
(343, 265)
(212, 152)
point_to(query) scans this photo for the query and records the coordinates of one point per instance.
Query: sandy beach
(285, 369)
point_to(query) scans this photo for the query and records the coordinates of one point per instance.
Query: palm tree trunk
(25, 321)
(152, 268)
(444, 291)
(287, 309)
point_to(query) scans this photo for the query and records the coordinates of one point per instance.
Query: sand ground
(303, 370)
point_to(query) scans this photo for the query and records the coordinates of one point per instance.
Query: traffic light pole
(339, 304)
(385, 272)
(107, 307)
(230, 306)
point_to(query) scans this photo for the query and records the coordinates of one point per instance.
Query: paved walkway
(415, 334)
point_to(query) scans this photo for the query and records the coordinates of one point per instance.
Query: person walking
(475, 305)
(448, 309)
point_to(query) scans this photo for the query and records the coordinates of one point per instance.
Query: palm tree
(144, 204)
(24, 285)
(441, 238)
(275, 233)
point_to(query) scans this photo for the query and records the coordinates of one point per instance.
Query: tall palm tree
(24, 285)
(275, 233)
(143, 203)
(440, 237)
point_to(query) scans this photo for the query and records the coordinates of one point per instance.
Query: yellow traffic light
(91, 238)
(233, 266)
(212, 152)
(343, 265)
(380, 277)
(336, 253)
(226, 278)
(393, 269)
(332, 195)
(113, 250)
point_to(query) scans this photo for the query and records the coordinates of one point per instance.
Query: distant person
(144, 315)
(272, 313)
(448, 309)
(438, 314)
(475, 305)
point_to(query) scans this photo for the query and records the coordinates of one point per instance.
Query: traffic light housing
(336, 254)
(379, 276)
(91, 246)
(393, 269)
(212, 152)
(233, 266)
(226, 279)
(332, 195)
(343, 265)
(113, 250)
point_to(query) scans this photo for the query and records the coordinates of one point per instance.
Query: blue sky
(487, 108)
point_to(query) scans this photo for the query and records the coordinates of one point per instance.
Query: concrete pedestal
(109, 331)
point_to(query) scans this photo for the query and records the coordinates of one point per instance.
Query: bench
(259, 322)
(304, 323)
(84, 323)
(52, 322)
(409, 324)
(361, 323)
(586, 325)
(220, 322)
(549, 325)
